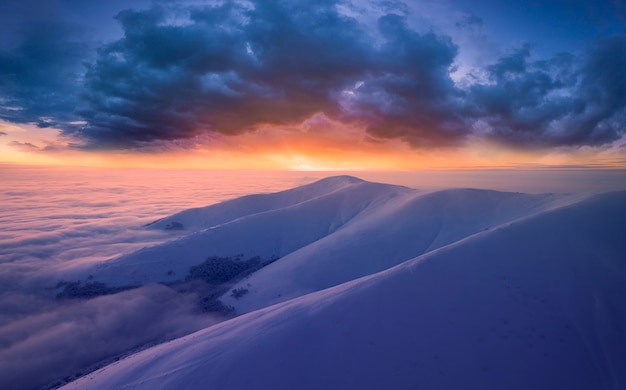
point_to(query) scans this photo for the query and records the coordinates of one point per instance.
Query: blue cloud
(41, 74)
(564, 101)
(231, 68)
(181, 70)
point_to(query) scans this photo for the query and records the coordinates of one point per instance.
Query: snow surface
(536, 302)
(385, 234)
(205, 217)
(308, 214)
(325, 233)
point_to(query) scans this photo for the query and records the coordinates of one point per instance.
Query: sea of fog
(53, 218)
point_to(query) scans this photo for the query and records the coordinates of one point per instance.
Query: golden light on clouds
(318, 144)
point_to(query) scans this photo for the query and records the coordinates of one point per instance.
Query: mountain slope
(308, 214)
(534, 304)
(380, 237)
(325, 233)
(205, 217)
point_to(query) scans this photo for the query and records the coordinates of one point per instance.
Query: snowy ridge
(324, 233)
(268, 234)
(380, 237)
(204, 217)
(537, 303)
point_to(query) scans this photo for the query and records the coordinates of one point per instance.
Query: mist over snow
(53, 340)
(338, 272)
(52, 219)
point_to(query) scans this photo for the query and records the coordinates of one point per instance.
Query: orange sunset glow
(320, 148)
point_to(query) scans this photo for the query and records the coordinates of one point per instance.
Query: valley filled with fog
(337, 281)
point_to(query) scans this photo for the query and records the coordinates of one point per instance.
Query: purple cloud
(182, 70)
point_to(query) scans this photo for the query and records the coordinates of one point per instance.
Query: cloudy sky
(319, 84)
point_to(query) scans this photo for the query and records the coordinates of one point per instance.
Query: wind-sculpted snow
(325, 233)
(268, 235)
(206, 217)
(387, 234)
(532, 304)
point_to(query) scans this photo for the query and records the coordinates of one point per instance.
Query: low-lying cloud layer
(56, 220)
(55, 339)
(182, 70)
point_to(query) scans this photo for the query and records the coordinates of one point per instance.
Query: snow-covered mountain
(490, 291)
(264, 226)
(205, 217)
(383, 235)
(324, 234)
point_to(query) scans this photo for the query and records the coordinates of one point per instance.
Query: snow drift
(535, 302)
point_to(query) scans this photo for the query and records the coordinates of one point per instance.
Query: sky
(314, 85)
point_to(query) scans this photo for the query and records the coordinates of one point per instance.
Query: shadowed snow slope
(382, 236)
(325, 233)
(534, 304)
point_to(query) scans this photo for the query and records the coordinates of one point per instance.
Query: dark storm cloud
(41, 72)
(230, 68)
(411, 96)
(558, 102)
(182, 70)
(603, 86)
(174, 81)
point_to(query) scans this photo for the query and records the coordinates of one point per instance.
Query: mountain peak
(339, 180)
